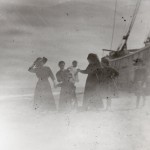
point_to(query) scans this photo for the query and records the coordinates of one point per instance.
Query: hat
(40, 59)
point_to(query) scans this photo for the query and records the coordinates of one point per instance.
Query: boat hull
(124, 65)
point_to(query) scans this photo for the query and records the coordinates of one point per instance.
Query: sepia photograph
(75, 74)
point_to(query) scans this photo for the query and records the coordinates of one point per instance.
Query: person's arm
(88, 70)
(52, 76)
(59, 79)
(83, 71)
(32, 69)
(76, 77)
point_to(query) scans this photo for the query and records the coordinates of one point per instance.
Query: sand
(123, 128)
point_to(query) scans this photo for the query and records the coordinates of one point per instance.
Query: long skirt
(92, 98)
(139, 90)
(43, 96)
(108, 90)
(66, 96)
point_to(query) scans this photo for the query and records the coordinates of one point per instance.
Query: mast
(114, 24)
(123, 45)
(122, 49)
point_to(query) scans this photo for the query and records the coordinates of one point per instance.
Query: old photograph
(75, 74)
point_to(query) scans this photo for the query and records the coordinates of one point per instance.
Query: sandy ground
(123, 128)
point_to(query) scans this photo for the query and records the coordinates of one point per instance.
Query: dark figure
(92, 98)
(140, 78)
(43, 97)
(108, 84)
(64, 77)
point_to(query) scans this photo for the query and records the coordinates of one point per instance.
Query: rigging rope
(114, 24)
(134, 16)
(131, 24)
(127, 23)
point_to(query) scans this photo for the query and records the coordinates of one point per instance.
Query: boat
(123, 59)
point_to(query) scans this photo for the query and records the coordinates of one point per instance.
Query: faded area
(122, 128)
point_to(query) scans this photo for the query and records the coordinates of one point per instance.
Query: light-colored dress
(74, 72)
(43, 96)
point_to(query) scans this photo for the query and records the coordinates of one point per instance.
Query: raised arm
(32, 69)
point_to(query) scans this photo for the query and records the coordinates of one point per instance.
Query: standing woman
(66, 82)
(108, 85)
(140, 80)
(43, 97)
(92, 98)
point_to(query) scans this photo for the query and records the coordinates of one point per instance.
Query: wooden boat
(125, 67)
(123, 59)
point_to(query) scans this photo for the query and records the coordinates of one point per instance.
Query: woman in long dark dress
(43, 96)
(92, 98)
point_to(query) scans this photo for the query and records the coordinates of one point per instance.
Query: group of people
(66, 79)
(100, 84)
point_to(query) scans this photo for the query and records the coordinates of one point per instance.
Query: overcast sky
(62, 30)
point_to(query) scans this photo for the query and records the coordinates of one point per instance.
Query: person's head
(104, 61)
(44, 60)
(40, 61)
(74, 63)
(138, 62)
(93, 59)
(61, 65)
